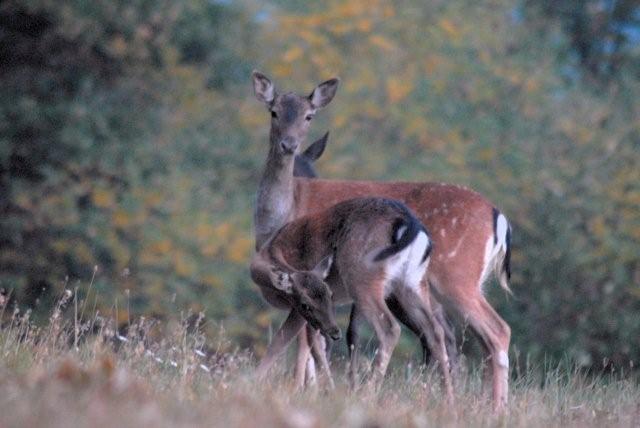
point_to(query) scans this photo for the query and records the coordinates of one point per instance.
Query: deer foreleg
(287, 331)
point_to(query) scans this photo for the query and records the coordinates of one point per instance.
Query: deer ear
(263, 88)
(324, 93)
(322, 269)
(281, 281)
(315, 150)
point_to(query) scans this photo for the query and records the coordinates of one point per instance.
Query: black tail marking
(496, 214)
(427, 251)
(506, 264)
(413, 227)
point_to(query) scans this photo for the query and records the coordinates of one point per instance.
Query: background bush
(130, 140)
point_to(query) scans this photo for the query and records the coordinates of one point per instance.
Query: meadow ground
(166, 374)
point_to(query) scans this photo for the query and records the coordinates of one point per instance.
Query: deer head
(291, 113)
(310, 295)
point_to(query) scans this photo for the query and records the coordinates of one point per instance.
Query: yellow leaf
(160, 247)
(382, 42)
(60, 246)
(149, 258)
(292, 54)
(204, 231)
(314, 20)
(339, 121)
(312, 37)
(210, 249)
(121, 218)
(152, 198)
(456, 159)
(103, 198)
(416, 126)
(373, 110)
(240, 249)
(282, 70)
(398, 89)
(222, 231)
(340, 28)
(432, 62)
(118, 46)
(183, 266)
(486, 154)
(212, 281)
(364, 25)
(449, 28)
(263, 319)
(350, 9)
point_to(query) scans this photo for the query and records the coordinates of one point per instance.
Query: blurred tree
(130, 140)
(88, 176)
(603, 34)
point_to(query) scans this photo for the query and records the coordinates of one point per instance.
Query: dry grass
(85, 374)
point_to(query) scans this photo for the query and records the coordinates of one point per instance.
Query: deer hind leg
(405, 318)
(355, 320)
(495, 334)
(449, 335)
(387, 331)
(419, 308)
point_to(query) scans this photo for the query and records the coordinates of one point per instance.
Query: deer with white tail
(471, 237)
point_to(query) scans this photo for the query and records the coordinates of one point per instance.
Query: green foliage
(130, 140)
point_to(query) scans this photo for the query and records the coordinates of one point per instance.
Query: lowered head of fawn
(309, 294)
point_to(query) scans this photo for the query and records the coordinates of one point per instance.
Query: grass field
(72, 374)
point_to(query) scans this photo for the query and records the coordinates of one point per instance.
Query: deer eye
(274, 114)
(308, 117)
(306, 307)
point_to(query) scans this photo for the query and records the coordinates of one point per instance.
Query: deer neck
(275, 196)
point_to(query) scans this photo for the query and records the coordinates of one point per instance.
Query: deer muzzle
(288, 145)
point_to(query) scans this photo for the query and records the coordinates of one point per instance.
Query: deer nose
(335, 333)
(288, 145)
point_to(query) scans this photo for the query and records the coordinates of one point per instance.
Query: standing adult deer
(380, 249)
(471, 237)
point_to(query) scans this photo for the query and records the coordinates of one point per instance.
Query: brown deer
(471, 237)
(305, 364)
(379, 249)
